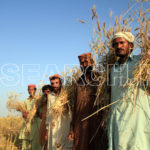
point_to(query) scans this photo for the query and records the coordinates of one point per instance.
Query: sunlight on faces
(122, 47)
(86, 64)
(31, 91)
(46, 92)
(56, 84)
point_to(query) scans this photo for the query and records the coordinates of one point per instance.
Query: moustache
(118, 49)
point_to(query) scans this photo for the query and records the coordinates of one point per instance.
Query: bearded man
(58, 117)
(85, 133)
(129, 120)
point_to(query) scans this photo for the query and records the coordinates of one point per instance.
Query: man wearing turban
(29, 136)
(129, 118)
(85, 134)
(58, 117)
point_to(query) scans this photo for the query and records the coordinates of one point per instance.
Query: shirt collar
(129, 58)
(32, 98)
(52, 93)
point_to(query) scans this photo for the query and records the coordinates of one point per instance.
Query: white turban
(126, 35)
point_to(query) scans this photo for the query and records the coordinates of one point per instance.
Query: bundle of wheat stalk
(14, 104)
(141, 74)
(59, 106)
(71, 77)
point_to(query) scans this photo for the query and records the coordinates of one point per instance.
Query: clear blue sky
(35, 34)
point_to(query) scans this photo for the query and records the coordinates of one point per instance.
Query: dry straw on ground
(9, 132)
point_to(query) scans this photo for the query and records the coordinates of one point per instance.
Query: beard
(87, 70)
(55, 90)
(120, 52)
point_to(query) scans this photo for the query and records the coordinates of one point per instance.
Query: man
(84, 133)
(57, 123)
(46, 89)
(129, 122)
(29, 136)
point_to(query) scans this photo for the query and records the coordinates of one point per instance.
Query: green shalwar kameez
(129, 123)
(30, 140)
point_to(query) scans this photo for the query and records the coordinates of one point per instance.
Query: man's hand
(25, 114)
(46, 135)
(71, 136)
